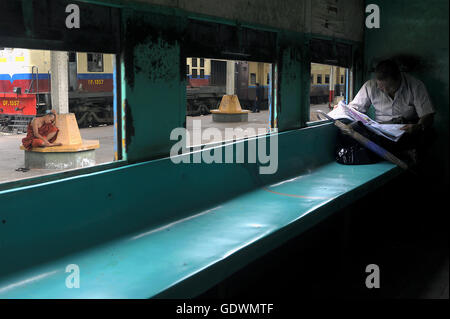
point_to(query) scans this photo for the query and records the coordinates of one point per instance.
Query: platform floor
(11, 157)
(255, 120)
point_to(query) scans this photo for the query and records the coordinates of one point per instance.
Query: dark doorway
(218, 72)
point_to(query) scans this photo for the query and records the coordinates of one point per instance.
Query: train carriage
(250, 74)
(23, 74)
(206, 83)
(320, 83)
(25, 86)
(91, 87)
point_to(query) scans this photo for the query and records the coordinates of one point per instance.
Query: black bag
(350, 152)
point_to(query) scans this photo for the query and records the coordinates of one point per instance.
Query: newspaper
(392, 132)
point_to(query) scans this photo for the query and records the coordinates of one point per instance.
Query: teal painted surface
(418, 29)
(357, 66)
(290, 102)
(165, 261)
(89, 209)
(155, 82)
(305, 83)
(93, 217)
(155, 87)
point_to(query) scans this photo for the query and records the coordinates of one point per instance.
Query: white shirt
(410, 101)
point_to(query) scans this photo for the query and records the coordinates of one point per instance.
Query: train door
(73, 71)
(218, 73)
(242, 81)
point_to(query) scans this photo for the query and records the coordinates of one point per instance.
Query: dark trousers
(256, 106)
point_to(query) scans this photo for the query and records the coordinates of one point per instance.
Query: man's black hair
(387, 69)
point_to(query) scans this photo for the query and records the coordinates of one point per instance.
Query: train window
(202, 63)
(194, 62)
(187, 69)
(85, 102)
(72, 57)
(95, 62)
(324, 96)
(246, 89)
(319, 79)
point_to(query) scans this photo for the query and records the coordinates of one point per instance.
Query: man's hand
(335, 106)
(411, 128)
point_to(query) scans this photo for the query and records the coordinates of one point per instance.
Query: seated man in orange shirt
(41, 132)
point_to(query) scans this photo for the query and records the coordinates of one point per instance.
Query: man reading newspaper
(403, 110)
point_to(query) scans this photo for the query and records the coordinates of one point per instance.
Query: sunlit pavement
(255, 120)
(12, 158)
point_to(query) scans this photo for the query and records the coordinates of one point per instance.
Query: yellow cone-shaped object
(230, 105)
(69, 136)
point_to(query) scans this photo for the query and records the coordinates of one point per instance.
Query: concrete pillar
(59, 81)
(230, 77)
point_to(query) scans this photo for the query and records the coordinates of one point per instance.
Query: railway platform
(12, 158)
